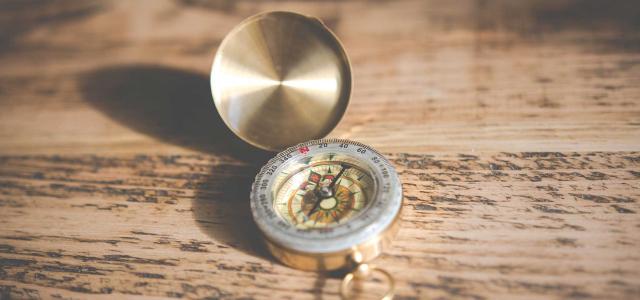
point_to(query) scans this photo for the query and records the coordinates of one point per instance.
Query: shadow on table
(175, 106)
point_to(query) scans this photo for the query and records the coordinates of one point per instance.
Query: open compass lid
(279, 79)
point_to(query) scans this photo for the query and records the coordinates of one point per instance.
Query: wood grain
(504, 225)
(514, 125)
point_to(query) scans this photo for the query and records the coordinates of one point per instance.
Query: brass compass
(281, 81)
(328, 204)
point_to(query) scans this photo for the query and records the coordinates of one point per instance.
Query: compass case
(348, 258)
(340, 244)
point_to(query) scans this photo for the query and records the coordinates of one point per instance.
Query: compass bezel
(379, 215)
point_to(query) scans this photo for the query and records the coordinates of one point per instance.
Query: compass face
(326, 192)
(325, 196)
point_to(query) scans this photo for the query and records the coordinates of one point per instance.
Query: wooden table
(514, 125)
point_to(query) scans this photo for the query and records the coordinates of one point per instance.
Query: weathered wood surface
(525, 224)
(515, 126)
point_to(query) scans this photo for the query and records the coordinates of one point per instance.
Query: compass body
(281, 78)
(326, 203)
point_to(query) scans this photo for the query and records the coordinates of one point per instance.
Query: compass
(281, 79)
(327, 204)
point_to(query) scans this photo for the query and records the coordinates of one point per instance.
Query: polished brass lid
(279, 79)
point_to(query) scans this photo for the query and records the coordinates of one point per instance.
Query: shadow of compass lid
(279, 79)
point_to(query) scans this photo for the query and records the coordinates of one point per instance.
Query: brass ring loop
(348, 279)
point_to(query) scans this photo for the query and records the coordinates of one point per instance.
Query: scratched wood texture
(514, 125)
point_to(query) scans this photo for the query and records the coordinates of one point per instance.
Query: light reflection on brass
(280, 78)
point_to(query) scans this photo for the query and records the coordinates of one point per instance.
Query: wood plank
(461, 77)
(506, 225)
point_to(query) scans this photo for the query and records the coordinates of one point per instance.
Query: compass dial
(324, 193)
